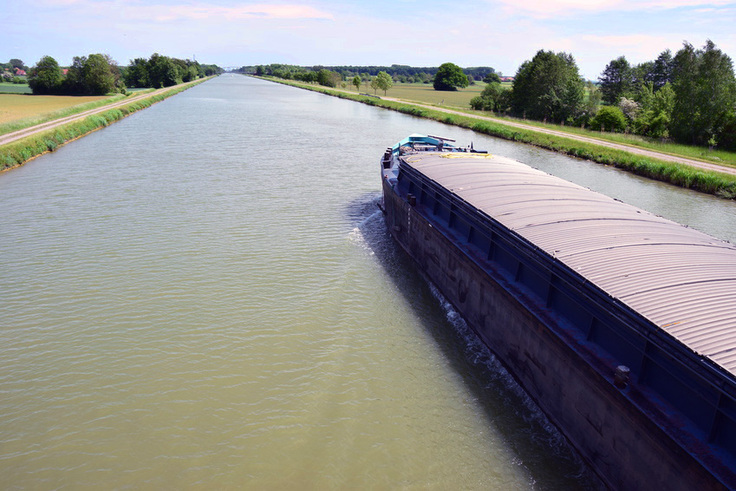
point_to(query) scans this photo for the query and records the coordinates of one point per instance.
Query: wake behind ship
(619, 323)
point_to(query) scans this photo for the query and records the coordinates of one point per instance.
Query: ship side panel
(620, 443)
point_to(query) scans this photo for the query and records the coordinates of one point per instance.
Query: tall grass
(715, 183)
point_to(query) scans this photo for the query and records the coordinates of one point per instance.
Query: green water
(204, 296)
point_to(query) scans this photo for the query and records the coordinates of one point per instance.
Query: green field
(6, 88)
(425, 94)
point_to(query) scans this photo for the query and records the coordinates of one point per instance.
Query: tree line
(161, 71)
(99, 74)
(689, 97)
(398, 73)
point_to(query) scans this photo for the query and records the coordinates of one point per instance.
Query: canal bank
(687, 173)
(18, 147)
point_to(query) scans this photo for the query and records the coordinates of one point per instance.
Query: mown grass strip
(21, 151)
(715, 183)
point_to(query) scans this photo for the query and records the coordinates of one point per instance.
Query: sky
(233, 33)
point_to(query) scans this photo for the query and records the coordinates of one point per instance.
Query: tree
(548, 87)
(374, 84)
(609, 118)
(74, 81)
(656, 111)
(384, 81)
(45, 77)
(357, 81)
(16, 63)
(97, 75)
(449, 77)
(162, 71)
(328, 78)
(705, 94)
(488, 98)
(491, 78)
(662, 70)
(629, 107)
(616, 81)
(137, 74)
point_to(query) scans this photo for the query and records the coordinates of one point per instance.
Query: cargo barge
(620, 324)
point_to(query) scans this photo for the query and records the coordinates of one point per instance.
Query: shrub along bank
(21, 151)
(718, 184)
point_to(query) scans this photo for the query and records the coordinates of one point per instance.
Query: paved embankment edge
(690, 174)
(47, 137)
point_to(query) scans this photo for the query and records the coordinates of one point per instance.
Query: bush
(609, 118)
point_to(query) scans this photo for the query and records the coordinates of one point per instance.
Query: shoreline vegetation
(720, 184)
(19, 152)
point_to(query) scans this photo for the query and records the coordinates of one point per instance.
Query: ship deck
(681, 280)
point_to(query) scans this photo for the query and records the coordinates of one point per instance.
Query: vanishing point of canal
(204, 295)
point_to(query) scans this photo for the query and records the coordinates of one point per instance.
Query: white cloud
(547, 8)
(252, 11)
(176, 11)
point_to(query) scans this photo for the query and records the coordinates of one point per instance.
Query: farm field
(426, 94)
(6, 88)
(17, 106)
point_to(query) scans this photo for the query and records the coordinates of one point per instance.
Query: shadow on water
(540, 447)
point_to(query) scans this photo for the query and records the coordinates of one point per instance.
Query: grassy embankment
(460, 101)
(719, 184)
(20, 151)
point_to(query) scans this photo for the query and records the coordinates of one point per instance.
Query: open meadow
(425, 94)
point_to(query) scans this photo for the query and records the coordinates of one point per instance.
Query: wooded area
(99, 74)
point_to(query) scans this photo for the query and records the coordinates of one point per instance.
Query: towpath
(17, 135)
(603, 143)
(724, 169)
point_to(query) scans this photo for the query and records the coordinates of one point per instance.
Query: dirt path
(17, 135)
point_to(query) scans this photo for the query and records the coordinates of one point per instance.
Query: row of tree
(689, 97)
(98, 74)
(398, 73)
(161, 71)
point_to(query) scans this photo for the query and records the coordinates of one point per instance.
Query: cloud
(182, 10)
(625, 41)
(251, 11)
(548, 8)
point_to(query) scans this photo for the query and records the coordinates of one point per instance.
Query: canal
(204, 295)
